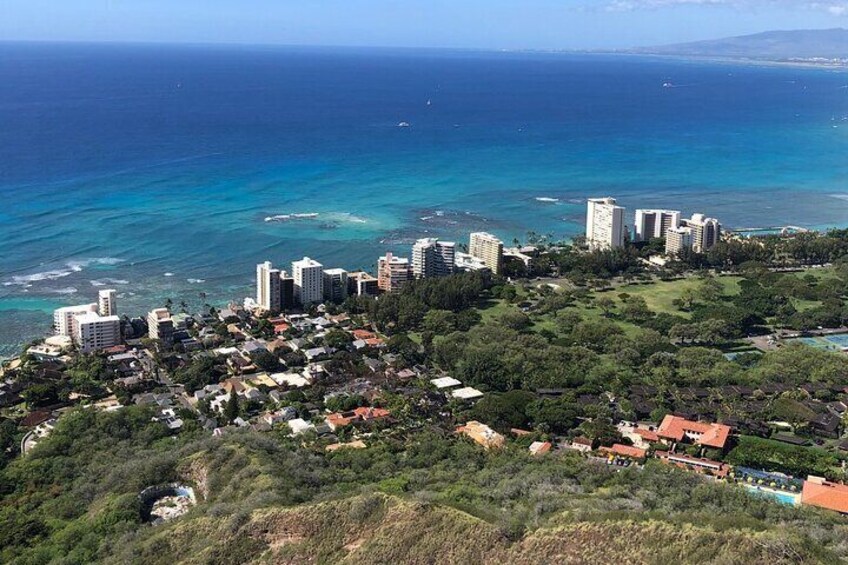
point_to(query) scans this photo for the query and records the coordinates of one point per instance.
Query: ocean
(152, 169)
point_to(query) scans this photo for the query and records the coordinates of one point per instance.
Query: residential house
(675, 428)
(540, 447)
(697, 464)
(626, 451)
(825, 494)
(359, 415)
(482, 434)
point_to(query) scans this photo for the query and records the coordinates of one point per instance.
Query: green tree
(232, 408)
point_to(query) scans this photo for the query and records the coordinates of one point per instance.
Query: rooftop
(701, 433)
(824, 494)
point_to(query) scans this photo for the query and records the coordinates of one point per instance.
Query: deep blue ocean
(152, 168)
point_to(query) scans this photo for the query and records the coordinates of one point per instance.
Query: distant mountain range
(770, 45)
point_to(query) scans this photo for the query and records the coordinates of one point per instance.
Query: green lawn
(660, 295)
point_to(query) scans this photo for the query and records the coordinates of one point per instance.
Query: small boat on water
(403, 125)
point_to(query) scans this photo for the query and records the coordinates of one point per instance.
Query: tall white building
(335, 285)
(63, 318)
(706, 232)
(655, 223)
(489, 249)
(677, 239)
(160, 326)
(433, 258)
(107, 304)
(393, 272)
(308, 281)
(604, 224)
(268, 293)
(93, 332)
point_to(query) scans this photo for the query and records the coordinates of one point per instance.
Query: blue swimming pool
(786, 498)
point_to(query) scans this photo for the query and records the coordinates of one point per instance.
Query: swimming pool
(787, 498)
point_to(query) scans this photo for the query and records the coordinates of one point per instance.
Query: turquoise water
(781, 497)
(152, 169)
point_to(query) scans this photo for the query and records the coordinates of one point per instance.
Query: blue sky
(566, 24)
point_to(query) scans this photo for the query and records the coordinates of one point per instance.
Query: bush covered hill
(420, 497)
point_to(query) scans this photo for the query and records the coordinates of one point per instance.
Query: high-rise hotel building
(433, 258)
(308, 277)
(604, 224)
(393, 272)
(698, 233)
(489, 249)
(655, 223)
(268, 295)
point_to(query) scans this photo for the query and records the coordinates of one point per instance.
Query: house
(482, 434)
(35, 418)
(824, 494)
(540, 447)
(297, 344)
(467, 393)
(581, 444)
(281, 415)
(373, 364)
(627, 451)
(363, 334)
(251, 347)
(299, 426)
(826, 425)
(675, 428)
(445, 382)
(697, 464)
(361, 414)
(318, 352)
(290, 379)
(640, 437)
(406, 374)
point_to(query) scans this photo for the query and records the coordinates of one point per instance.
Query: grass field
(660, 295)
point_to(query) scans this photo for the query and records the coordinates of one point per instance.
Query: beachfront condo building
(433, 258)
(107, 304)
(489, 249)
(706, 232)
(393, 272)
(466, 262)
(677, 239)
(287, 300)
(655, 223)
(335, 285)
(63, 318)
(361, 283)
(93, 332)
(268, 294)
(604, 224)
(308, 281)
(160, 326)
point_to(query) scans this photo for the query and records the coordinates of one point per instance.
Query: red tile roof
(701, 433)
(361, 414)
(647, 435)
(540, 447)
(363, 334)
(625, 451)
(824, 494)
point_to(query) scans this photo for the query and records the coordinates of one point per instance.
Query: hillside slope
(378, 528)
(773, 45)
